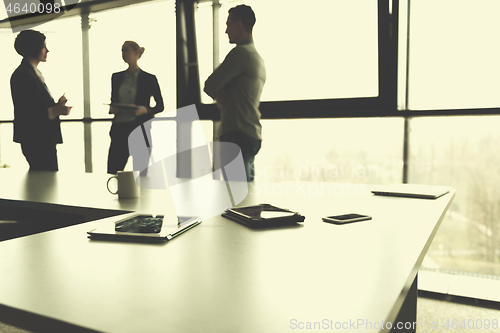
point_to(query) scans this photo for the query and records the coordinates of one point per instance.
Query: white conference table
(220, 276)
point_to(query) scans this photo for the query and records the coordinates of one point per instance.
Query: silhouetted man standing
(237, 85)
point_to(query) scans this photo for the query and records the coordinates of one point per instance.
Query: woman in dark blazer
(131, 92)
(36, 116)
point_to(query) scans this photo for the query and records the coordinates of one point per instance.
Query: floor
(11, 329)
(435, 315)
(443, 316)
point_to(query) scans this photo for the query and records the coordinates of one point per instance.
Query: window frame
(384, 104)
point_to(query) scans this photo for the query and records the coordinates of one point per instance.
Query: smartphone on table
(346, 218)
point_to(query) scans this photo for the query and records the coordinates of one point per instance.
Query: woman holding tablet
(131, 92)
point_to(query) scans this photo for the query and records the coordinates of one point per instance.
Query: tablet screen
(141, 224)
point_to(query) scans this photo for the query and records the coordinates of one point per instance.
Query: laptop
(144, 228)
(412, 191)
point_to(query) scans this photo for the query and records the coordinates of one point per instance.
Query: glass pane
(204, 39)
(164, 140)
(100, 146)
(10, 61)
(402, 54)
(10, 151)
(69, 154)
(454, 54)
(312, 50)
(164, 137)
(3, 12)
(62, 71)
(152, 26)
(461, 152)
(357, 151)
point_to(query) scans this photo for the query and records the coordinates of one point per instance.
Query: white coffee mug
(127, 188)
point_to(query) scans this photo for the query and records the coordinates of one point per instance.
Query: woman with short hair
(36, 115)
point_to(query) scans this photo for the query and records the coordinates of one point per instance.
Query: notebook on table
(412, 191)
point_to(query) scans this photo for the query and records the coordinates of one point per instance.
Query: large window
(454, 54)
(453, 64)
(316, 50)
(152, 26)
(62, 71)
(461, 152)
(63, 75)
(10, 152)
(10, 61)
(367, 151)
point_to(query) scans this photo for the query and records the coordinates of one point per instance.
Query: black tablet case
(255, 221)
